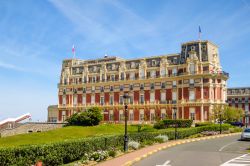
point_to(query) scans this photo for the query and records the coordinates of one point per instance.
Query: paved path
(136, 155)
(212, 152)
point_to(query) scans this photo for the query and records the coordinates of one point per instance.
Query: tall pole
(126, 124)
(175, 116)
(220, 121)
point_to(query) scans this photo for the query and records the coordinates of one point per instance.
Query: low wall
(31, 127)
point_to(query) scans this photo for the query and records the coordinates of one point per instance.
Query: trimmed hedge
(203, 124)
(72, 150)
(172, 122)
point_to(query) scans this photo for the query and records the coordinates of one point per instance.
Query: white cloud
(10, 66)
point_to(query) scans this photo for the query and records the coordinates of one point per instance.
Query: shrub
(98, 155)
(172, 122)
(112, 153)
(91, 117)
(134, 145)
(164, 138)
(203, 124)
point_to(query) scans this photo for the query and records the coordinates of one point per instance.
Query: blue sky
(36, 35)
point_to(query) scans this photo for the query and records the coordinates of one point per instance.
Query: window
(64, 100)
(111, 115)
(93, 99)
(122, 76)
(246, 107)
(153, 73)
(174, 113)
(121, 100)
(163, 113)
(102, 100)
(63, 116)
(83, 99)
(132, 64)
(174, 83)
(191, 95)
(111, 100)
(163, 96)
(141, 115)
(132, 76)
(131, 87)
(192, 113)
(75, 100)
(163, 72)
(103, 77)
(121, 87)
(153, 63)
(174, 96)
(192, 68)
(121, 115)
(191, 81)
(152, 97)
(131, 99)
(192, 48)
(163, 85)
(142, 99)
(174, 71)
(94, 79)
(152, 115)
(112, 77)
(92, 88)
(111, 88)
(152, 86)
(142, 86)
(142, 73)
(113, 66)
(102, 89)
(131, 115)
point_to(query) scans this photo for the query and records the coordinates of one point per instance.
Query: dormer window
(204, 48)
(113, 67)
(132, 64)
(153, 63)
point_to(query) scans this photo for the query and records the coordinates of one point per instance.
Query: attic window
(192, 48)
(153, 62)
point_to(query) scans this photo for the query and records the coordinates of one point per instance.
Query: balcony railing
(149, 77)
(134, 103)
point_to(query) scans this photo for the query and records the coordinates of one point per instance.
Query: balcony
(223, 73)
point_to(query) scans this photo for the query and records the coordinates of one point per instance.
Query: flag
(73, 48)
(199, 32)
(73, 51)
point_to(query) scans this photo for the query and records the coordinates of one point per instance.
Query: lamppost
(175, 116)
(126, 97)
(220, 120)
(246, 118)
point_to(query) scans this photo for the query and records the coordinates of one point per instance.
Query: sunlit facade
(185, 85)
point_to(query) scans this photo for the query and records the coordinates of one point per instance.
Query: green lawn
(66, 133)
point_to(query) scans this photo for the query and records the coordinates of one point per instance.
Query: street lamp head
(126, 98)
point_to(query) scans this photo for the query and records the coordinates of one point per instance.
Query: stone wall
(30, 127)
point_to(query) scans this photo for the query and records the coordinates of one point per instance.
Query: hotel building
(185, 85)
(240, 98)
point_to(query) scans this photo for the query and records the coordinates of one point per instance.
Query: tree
(91, 117)
(226, 113)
